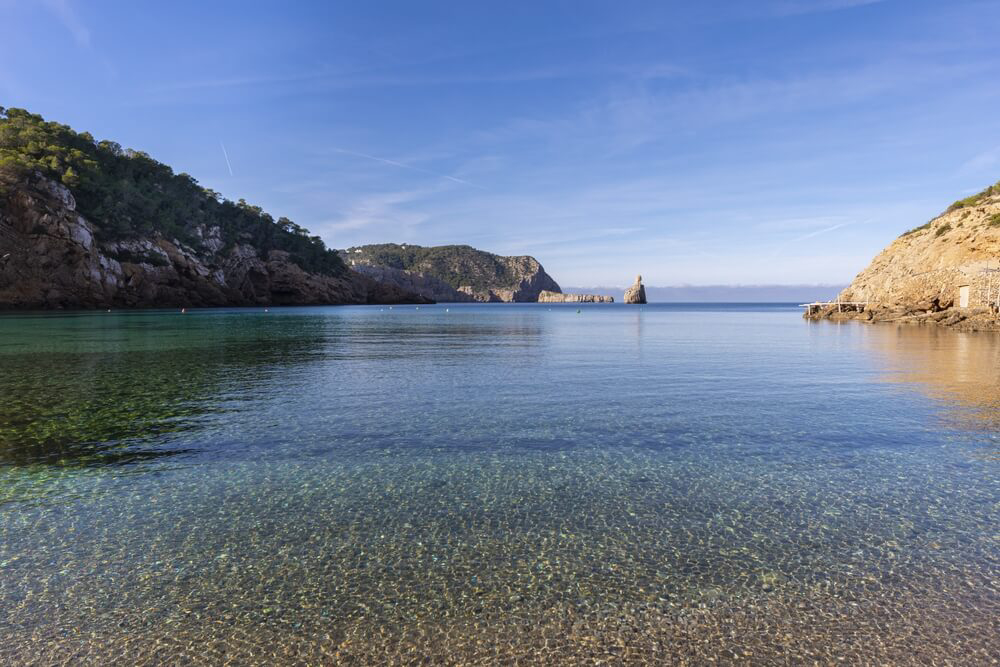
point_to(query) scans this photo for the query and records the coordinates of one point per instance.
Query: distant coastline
(724, 293)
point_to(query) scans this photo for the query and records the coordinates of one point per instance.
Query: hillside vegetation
(127, 194)
(977, 199)
(456, 265)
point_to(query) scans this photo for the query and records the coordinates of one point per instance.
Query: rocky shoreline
(928, 313)
(546, 296)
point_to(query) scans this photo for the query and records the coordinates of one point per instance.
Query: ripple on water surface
(609, 489)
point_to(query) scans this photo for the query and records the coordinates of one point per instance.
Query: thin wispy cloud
(236, 81)
(800, 7)
(386, 210)
(402, 165)
(987, 160)
(66, 15)
(409, 77)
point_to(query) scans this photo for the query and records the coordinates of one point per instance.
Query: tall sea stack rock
(636, 293)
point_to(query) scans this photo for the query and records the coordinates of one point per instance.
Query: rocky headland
(51, 256)
(945, 272)
(452, 273)
(89, 224)
(546, 296)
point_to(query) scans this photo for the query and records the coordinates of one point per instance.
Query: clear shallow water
(520, 483)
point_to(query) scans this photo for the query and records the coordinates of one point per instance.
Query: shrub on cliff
(921, 228)
(976, 198)
(128, 194)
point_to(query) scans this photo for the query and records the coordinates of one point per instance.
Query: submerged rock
(636, 293)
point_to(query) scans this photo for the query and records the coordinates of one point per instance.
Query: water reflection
(90, 389)
(84, 391)
(960, 369)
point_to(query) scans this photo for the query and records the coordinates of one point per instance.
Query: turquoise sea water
(474, 484)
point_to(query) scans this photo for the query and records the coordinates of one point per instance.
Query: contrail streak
(821, 231)
(810, 235)
(407, 166)
(228, 164)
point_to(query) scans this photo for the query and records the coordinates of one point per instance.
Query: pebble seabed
(583, 557)
(357, 487)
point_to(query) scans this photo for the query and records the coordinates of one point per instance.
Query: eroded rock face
(546, 296)
(53, 260)
(636, 293)
(414, 281)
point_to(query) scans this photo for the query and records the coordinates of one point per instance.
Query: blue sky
(774, 141)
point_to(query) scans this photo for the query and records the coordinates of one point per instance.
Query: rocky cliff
(413, 281)
(452, 273)
(945, 271)
(51, 256)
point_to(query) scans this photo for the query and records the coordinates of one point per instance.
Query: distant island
(946, 271)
